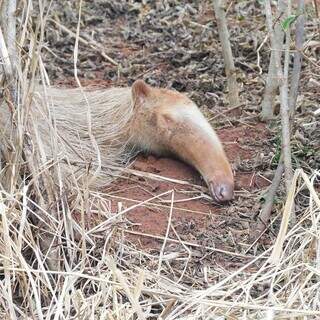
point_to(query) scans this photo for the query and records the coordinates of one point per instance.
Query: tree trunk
(230, 69)
(299, 39)
(283, 81)
(272, 84)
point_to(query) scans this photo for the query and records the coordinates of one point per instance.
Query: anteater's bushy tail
(84, 131)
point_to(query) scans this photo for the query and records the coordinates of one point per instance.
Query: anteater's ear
(140, 92)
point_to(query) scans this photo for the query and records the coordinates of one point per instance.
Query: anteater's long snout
(196, 143)
(178, 126)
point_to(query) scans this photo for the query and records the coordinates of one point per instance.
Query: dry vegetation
(54, 264)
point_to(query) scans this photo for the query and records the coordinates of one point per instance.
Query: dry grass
(53, 266)
(101, 277)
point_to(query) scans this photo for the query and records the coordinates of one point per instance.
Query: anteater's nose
(222, 192)
(225, 192)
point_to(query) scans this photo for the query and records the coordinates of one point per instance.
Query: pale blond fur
(92, 134)
(58, 122)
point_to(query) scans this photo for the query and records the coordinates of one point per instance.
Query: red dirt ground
(199, 221)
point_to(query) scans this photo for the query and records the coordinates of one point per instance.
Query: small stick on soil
(92, 44)
(265, 213)
(187, 250)
(187, 243)
(226, 52)
(167, 234)
(227, 111)
(156, 177)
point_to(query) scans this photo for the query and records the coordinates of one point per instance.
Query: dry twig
(299, 39)
(92, 44)
(283, 80)
(226, 52)
(265, 213)
(272, 84)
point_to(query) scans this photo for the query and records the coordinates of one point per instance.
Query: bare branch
(8, 24)
(272, 84)
(299, 39)
(92, 44)
(283, 81)
(315, 3)
(4, 54)
(226, 52)
(265, 213)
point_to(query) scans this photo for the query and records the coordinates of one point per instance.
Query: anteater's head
(168, 121)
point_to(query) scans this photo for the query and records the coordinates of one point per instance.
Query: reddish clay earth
(199, 221)
(152, 43)
(191, 64)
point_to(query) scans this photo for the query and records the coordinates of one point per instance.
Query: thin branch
(299, 39)
(265, 213)
(315, 3)
(286, 149)
(92, 44)
(4, 54)
(9, 28)
(226, 52)
(272, 83)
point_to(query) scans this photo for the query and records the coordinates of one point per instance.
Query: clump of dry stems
(52, 266)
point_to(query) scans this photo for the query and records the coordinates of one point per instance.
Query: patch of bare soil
(195, 217)
(177, 46)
